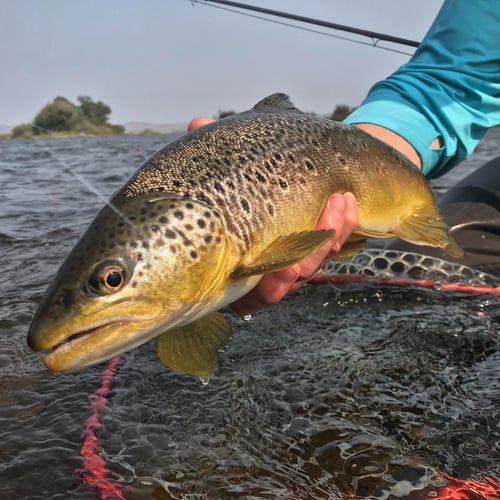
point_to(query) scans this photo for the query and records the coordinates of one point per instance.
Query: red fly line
(95, 472)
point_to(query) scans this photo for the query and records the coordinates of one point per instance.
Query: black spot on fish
(245, 205)
(270, 208)
(283, 183)
(176, 183)
(155, 228)
(208, 239)
(218, 187)
(179, 214)
(133, 244)
(190, 206)
(291, 157)
(145, 245)
(260, 177)
(309, 165)
(278, 157)
(188, 227)
(201, 223)
(193, 254)
(170, 234)
(268, 166)
(162, 220)
(218, 240)
(140, 257)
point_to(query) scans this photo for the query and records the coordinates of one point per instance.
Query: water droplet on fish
(247, 317)
(205, 380)
(438, 286)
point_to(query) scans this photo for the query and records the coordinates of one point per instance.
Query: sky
(166, 61)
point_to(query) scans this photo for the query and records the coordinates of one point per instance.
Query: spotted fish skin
(276, 166)
(204, 218)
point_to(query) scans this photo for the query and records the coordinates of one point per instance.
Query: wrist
(392, 139)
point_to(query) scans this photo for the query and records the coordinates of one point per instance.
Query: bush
(340, 112)
(23, 131)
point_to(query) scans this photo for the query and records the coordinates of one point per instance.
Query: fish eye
(107, 277)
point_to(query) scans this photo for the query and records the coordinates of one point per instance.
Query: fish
(199, 224)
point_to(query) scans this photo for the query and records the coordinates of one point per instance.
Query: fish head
(144, 265)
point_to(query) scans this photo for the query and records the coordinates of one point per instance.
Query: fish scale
(205, 218)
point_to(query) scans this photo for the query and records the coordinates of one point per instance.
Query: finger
(198, 122)
(270, 290)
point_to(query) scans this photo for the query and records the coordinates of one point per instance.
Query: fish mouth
(70, 341)
(96, 344)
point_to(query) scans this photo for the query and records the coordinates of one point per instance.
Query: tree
(58, 116)
(95, 112)
(223, 114)
(340, 112)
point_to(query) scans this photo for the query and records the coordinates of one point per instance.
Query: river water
(352, 390)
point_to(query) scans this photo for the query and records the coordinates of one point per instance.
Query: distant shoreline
(63, 135)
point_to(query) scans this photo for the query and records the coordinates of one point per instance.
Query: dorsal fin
(278, 102)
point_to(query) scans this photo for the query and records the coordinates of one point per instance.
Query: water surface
(353, 390)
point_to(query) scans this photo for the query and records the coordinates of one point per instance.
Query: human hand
(340, 213)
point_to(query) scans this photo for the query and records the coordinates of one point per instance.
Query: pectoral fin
(193, 348)
(284, 252)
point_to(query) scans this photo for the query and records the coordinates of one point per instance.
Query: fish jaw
(96, 345)
(76, 341)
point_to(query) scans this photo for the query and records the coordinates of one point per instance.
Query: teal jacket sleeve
(450, 88)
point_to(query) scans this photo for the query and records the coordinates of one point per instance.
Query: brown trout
(203, 220)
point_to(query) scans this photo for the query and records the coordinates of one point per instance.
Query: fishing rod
(373, 35)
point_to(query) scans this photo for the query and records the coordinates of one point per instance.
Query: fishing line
(405, 283)
(94, 471)
(82, 180)
(374, 43)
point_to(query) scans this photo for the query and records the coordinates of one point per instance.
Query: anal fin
(193, 348)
